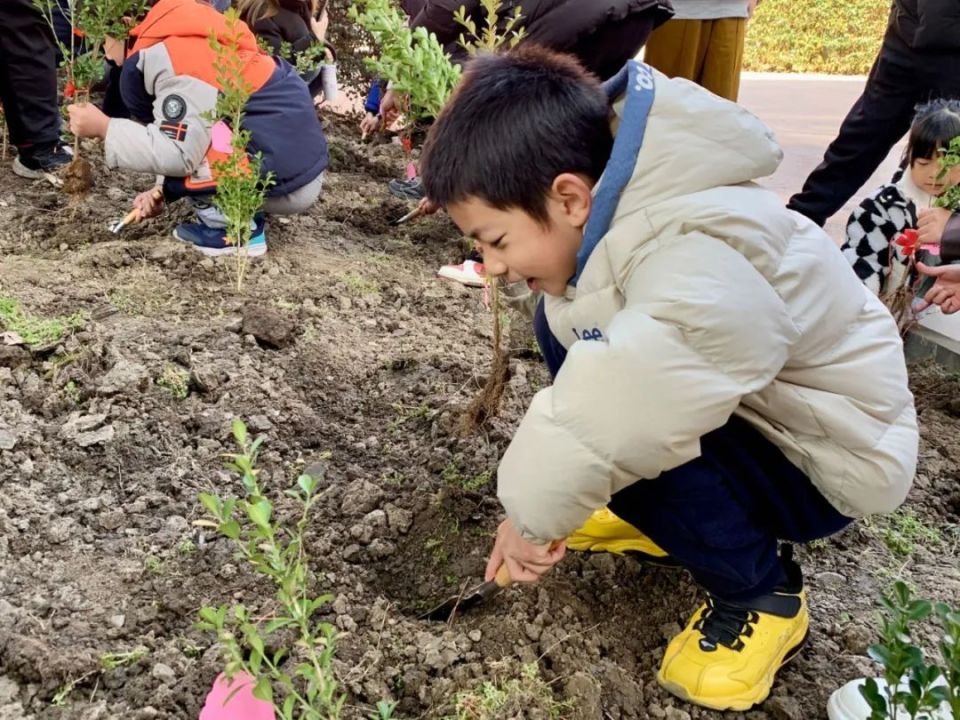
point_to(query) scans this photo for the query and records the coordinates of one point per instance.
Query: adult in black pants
(28, 89)
(918, 61)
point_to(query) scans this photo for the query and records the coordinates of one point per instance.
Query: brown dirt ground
(380, 362)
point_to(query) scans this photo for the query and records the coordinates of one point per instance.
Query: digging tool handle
(133, 216)
(503, 579)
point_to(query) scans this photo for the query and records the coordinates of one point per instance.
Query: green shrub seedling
(911, 684)
(241, 185)
(83, 59)
(298, 680)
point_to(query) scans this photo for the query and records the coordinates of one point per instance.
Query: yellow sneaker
(605, 532)
(728, 655)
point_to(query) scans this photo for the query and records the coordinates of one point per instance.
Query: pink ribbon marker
(221, 136)
(241, 706)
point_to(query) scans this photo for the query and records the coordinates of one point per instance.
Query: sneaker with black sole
(407, 189)
(212, 242)
(35, 162)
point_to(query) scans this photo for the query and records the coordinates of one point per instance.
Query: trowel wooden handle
(503, 579)
(133, 216)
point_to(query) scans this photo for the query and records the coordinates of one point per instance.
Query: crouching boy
(722, 380)
(170, 85)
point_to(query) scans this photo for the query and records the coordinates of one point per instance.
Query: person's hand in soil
(426, 207)
(945, 291)
(369, 124)
(148, 204)
(87, 120)
(526, 561)
(931, 224)
(390, 107)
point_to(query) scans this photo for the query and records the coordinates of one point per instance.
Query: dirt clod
(269, 327)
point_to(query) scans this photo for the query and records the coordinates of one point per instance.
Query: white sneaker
(848, 704)
(469, 273)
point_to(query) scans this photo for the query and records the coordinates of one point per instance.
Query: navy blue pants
(722, 515)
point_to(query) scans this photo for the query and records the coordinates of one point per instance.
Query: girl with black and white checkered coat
(893, 208)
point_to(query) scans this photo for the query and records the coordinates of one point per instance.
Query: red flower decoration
(69, 89)
(908, 241)
(407, 144)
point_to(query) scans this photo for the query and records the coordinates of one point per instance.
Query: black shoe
(34, 162)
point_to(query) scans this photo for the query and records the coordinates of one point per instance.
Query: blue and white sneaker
(213, 241)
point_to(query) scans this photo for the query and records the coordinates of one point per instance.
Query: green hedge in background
(815, 36)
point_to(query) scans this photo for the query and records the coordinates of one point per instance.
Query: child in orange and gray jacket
(169, 83)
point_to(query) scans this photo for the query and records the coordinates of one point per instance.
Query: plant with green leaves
(298, 680)
(491, 38)
(412, 60)
(91, 23)
(36, 332)
(911, 685)
(241, 184)
(948, 159)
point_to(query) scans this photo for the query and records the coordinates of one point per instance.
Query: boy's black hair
(935, 124)
(517, 121)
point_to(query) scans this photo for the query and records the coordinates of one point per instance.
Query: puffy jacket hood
(187, 18)
(689, 140)
(672, 139)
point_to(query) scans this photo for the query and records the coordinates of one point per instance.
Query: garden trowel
(477, 596)
(470, 599)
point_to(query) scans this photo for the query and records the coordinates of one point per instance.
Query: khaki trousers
(708, 52)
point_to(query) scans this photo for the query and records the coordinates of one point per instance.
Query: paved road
(805, 113)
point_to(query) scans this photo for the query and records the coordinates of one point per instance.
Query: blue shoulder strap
(636, 80)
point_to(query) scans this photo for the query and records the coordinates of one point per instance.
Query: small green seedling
(112, 661)
(297, 679)
(108, 662)
(384, 711)
(911, 684)
(176, 380)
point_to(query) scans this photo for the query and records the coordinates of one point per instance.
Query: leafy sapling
(412, 60)
(241, 184)
(912, 687)
(298, 678)
(93, 23)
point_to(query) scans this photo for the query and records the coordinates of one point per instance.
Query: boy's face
(924, 173)
(517, 247)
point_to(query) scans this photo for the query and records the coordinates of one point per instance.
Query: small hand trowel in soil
(477, 596)
(133, 217)
(470, 599)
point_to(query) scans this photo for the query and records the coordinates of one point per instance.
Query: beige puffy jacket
(706, 298)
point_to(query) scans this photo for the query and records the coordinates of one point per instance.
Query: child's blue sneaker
(213, 241)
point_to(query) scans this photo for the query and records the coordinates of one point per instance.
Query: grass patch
(519, 694)
(904, 530)
(176, 380)
(358, 285)
(815, 36)
(36, 331)
(451, 475)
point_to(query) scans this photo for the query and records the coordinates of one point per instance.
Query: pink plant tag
(221, 136)
(241, 705)
(411, 171)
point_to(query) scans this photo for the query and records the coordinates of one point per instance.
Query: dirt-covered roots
(78, 177)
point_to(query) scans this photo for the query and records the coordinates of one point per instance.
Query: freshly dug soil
(341, 348)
